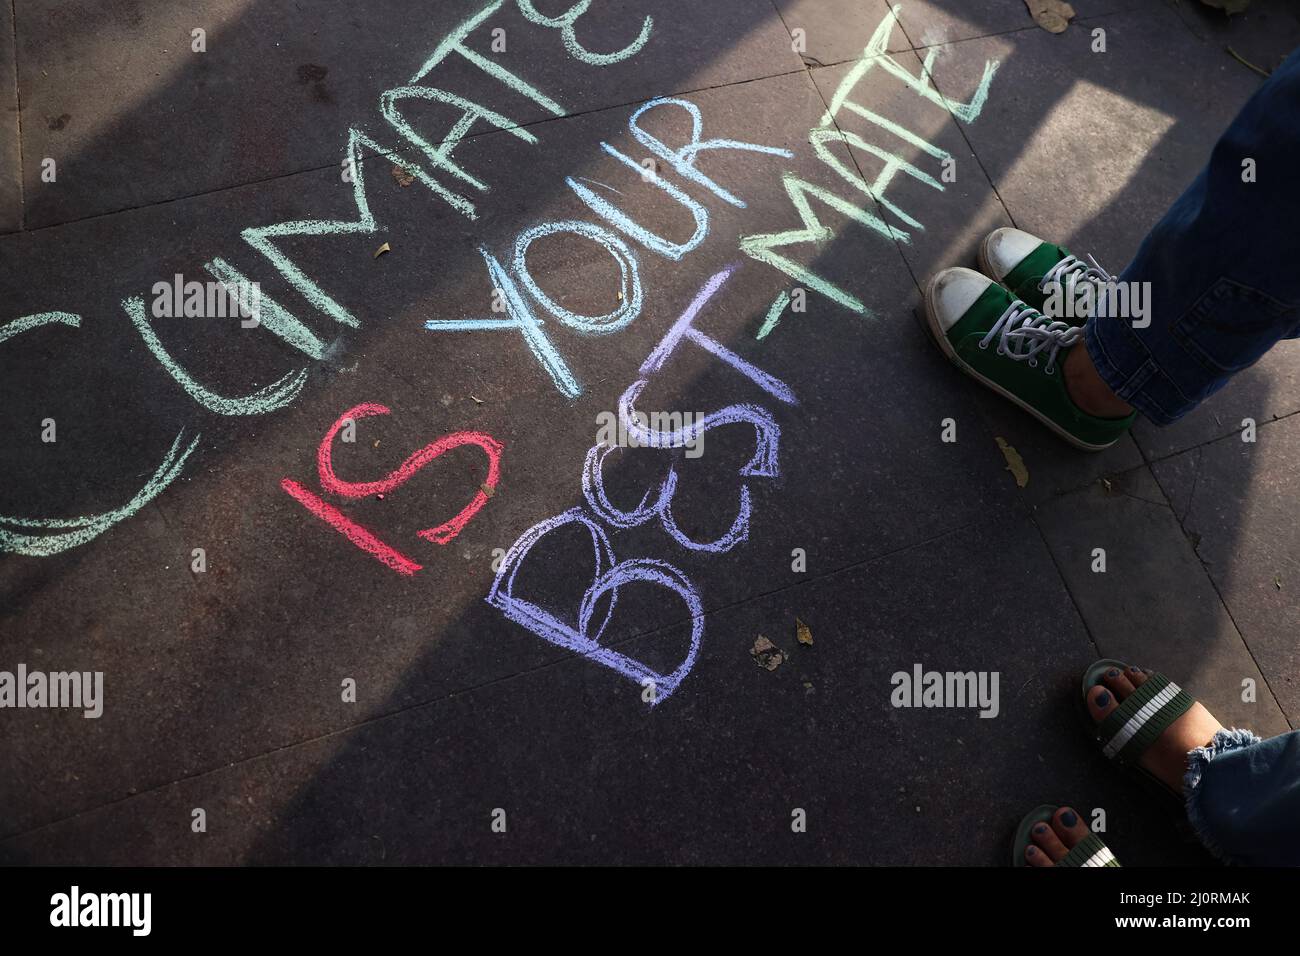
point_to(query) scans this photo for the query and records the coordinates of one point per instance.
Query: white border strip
(1101, 858)
(1136, 722)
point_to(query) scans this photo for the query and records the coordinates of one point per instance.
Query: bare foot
(1167, 757)
(1051, 842)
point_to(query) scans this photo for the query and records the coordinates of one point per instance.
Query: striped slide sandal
(1127, 731)
(1090, 851)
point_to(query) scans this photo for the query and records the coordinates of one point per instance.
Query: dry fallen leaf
(402, 176)
(802, 634)
(766, 654)
(1052, 15)
(1015, 464)
(477, 400)
(381, 250)
(488, 490)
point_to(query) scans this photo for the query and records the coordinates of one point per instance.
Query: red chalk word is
(367, 540)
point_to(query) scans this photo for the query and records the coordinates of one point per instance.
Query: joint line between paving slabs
(1182, 526)
(926, 74)
(1080, 21)
(808, 70)
(1056, 566)
(912, 47)
(1231, 433)
(18, 119)
(971, 146)
(405, 150)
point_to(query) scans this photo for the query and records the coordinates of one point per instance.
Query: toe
(1006, 248)
(1036, 857)
(1136, 676)
(1045, 839)
(1101, 702)
(1069, 826)
(952, 292)
(1117, 682)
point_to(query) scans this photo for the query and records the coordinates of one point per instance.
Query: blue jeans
(1222, 266)
(1243, 797)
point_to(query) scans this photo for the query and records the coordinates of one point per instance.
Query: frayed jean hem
(1198, 761)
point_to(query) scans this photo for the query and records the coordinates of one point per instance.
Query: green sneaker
(1014, 350)
(1027, 265)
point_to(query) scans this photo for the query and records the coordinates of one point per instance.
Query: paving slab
(838, 30)
(1263, 34)
(118, 96)
(11, 181)
(931, 23)
(1090, 148)
(582, 773)
(1232, 499)
(937, 220)
(834, 31)
(1268, 390)
(1054, 467)
(1154, 604)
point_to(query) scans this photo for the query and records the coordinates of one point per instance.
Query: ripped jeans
(1243, 797)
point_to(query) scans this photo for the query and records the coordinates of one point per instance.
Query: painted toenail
(1112, 673)
(1068, 818)
(1040, 829)
(1033, 850)
(1103, 699)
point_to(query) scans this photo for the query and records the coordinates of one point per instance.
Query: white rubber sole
(941, 340)
(982, 257)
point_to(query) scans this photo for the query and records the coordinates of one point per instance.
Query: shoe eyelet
(1033, 363)
(983, 346)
